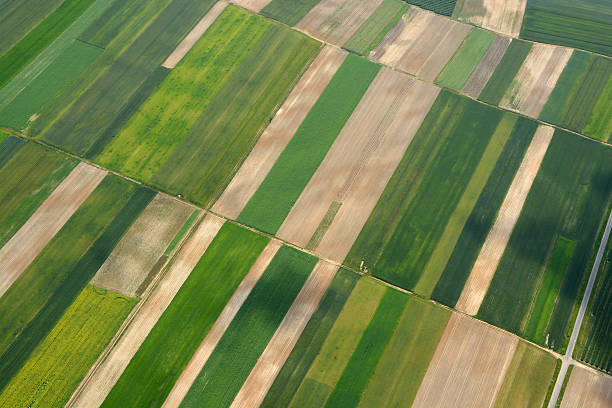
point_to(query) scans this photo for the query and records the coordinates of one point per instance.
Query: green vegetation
(466, 59)
(505, 72)
(248, 334)
(599, 125)
(564, 200)
(482, 217)
(62, 359)
(311, 341)
(376, 26)
(528, 378)
(585, 24)
(184, 324)
(45, 87)
(324, 225)
(230, 84)
(28, 179)
(274, 198)
(289, 12)
(9, 146)
(409, 220)
(405, 361)
(37, 299)
(179, 235)
(39, 38)
(444, 7)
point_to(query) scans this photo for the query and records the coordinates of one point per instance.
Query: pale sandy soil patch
(587, 389)
(280, 131)
(195, 34)
(503, 16)
(106, 371)
(335, 21)
(468, 367)
(536, 79)
(492, 250)
(46, 221)
(483, 72)
(278, 349)
(359, 164)
(200, 357)
(253, 5)
(129, 264)
(421, 44)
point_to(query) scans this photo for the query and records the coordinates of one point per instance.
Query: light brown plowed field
(468, 367)
(335, 21)
(421, 45)
(200, 357)
(492, 250)
(503, 16)
(536, 79)
(46, 221)
(587, 389)
(276, 353)
(134, 257)
(486, 67)
(359, 164)
(106, 371)
(280, 131)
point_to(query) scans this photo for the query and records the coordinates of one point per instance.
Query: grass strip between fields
(184, 324)
(273, 200)
(248, 334)
(62, 359)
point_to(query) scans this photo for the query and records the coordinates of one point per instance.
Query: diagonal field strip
(263, 374)
(102, 377)
(48, 219)
(486, 67)
(492, 250)
(200, 357)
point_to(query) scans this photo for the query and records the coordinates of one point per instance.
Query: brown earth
(502, 16)
(47, 220)
(278, 134)
(483, 72)
(587, 389)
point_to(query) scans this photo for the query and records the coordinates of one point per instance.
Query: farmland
(444, 7)
(587, 389)
(505, 17)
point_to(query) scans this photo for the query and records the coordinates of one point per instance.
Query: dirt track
(200, 357)
(280, 131)
(276, 353)
(492, 250)
(104, 374)
(483, 72)
(468, 367)
(587, 389)
(47, 220)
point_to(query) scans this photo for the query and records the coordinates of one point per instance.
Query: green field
(281, 188)
(599, 125)
(376, 26)
(444, 7)
(44, 88)
(9, 146)
(63, 358)
(530, 375)
(242, 61)
(184, 324)
(568, 201)
(251, 329)
(289, 12)
(37, 299)
(426, 192)
(505, 72)
(594, 341)
(28, 179)
(459, 69)
(585, 24)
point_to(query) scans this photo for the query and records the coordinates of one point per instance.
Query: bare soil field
(200, 357)
(46, 221)
(492, 250)
(587, 389)
(106, 371)
(195, 34)
(278, 349)
(359, 164)
(468, 367)
(485, 69)
(335, 21)
(503, 16)
(421, 44)
(536, 79)
(280, 131)
(136, 255)
(253, 5)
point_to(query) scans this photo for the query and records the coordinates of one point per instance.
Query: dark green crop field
(444, 7)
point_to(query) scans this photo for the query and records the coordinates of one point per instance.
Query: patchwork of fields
(313, 203)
